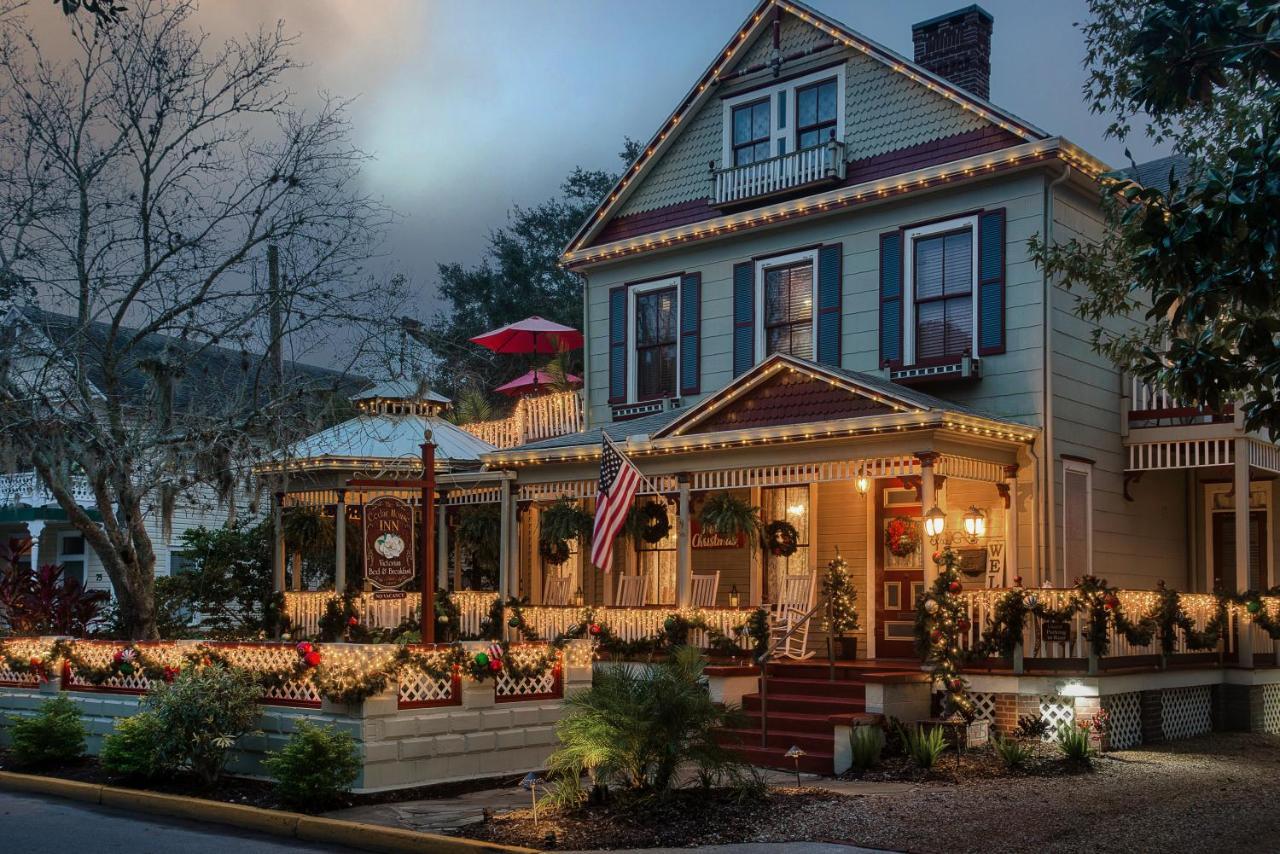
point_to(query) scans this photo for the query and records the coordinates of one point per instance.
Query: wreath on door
(901, 536)
(781, 538)
(649, 522)
(554, 552)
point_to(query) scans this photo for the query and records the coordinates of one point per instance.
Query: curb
(367, 837)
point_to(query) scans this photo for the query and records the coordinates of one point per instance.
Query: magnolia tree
(146, 180)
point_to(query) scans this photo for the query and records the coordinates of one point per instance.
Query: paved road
(31, 824)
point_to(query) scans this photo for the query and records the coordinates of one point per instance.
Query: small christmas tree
(838, 589)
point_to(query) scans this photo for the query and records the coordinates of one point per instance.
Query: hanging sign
(388, 542)
(1055, 631)
(700, 539)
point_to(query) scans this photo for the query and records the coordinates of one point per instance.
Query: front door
(899, 567)
(1224, 550)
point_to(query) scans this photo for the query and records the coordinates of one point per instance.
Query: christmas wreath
(901, 537)
(781, 538)
(650, 522)
(553, 552)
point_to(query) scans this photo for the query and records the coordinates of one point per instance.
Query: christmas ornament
(1254, 606)
(312, 658)
(594, 628)
(962, 625)
(353, 622)
(514, 622)
(495, 665)
(955, 587)
(937, 636)
(495, 651)
(1030, 600)
(304, 648)
(931, 605)
(1017, 581)
(482, 659)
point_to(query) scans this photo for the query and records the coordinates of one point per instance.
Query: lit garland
(940, 622)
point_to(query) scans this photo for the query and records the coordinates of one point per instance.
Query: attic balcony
(1161, 431)
(26, 489)
(535, 417)
(804, 169)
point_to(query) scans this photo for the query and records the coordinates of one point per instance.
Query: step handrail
(763, 661)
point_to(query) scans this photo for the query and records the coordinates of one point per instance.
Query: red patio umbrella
(531, 335)
(532, 380)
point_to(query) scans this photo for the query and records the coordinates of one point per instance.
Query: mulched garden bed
(976, 764)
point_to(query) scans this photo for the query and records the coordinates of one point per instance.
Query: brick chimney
(957, 47)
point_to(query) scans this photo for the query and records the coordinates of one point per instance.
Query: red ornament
(594, 628)
(304, 648)
(937, 636)
(353, 622)
(495, 664)
(955, 587)
(118, 657)
(956, 685)
(962, 625)
(312, 658)
(1017, 581)
(937, 557)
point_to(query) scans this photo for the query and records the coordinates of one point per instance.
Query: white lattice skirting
(1186, 712)
(1057, 711)
(1271, 708)
(984, 705)
(1126, 720)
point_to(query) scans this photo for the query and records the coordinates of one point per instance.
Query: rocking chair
(789, 612)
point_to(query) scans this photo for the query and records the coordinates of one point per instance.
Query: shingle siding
(884, 111)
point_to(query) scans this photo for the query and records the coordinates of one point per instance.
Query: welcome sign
(388, 542)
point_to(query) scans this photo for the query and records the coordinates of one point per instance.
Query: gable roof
(210, 374)
(756, 24)
(1157, 173)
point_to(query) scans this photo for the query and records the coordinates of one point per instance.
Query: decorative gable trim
(755, 24)
(744, 386)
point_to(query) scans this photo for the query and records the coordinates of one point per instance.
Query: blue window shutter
(690, 333)
(744, 317)
(991, 282)
(618, 345)
(830, 283)
(891, 298)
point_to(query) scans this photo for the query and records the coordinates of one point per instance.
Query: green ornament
(669, 624)
(482, 659)
(514, 622)
(126, 668)
(1254, 606)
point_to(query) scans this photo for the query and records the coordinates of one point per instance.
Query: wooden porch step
(798, 722)
(810, 742)
(846, 688)
(805, 703)
(775, 757)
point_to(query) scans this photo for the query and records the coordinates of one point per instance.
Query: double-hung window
(751, 132)
(816, 106)
(941, 271)
(655, 331)
(785, 299)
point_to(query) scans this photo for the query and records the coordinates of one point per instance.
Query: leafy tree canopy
(518, 276)
(1197, 263)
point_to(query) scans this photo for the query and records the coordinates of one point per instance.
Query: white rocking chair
(704, 590)
(556, 590)
(630, 592)
(788, 613)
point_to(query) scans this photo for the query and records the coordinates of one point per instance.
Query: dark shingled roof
(646, 425)
(1156, 173)
(211, 376)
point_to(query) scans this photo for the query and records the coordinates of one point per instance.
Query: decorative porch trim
(1264, 455)
(580, 489)
(968, 468)
(1181, 454)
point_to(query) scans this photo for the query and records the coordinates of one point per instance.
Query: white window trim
(776, 133)
(1086, 469)
(765, 264)
(909, 285)
(633, 363)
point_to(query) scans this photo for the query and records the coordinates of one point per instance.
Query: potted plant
(559, 523)
(842, 607)
(730, 516)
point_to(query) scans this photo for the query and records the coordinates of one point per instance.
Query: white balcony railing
(537, 417)
(778, 174)
(27, 489)
(1152, 404)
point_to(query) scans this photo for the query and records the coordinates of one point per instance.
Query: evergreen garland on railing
(940, 623)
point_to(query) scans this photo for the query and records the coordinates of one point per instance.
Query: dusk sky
(472, 107)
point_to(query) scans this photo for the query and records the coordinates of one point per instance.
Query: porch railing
(27, 488)
(778, 174)
(1152, 405)
(534, 418)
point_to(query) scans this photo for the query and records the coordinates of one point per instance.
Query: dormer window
(784, 117)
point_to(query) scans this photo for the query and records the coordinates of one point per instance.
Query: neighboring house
(814, 290)
(211, 376)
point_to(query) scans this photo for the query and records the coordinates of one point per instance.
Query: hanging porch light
(863, 483)
(975, 524)
(935, 521)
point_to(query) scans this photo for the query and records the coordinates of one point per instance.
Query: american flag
(619, 480)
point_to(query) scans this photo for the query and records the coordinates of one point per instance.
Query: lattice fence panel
(418, 689)
(984, 705)
(102, 654)
(295, 692)
(22, 650)
(1126, 720)
(1057, 711)
(1271, 708)
(1185, 712)
(546, 685)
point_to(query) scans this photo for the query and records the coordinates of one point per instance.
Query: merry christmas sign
(388, 542)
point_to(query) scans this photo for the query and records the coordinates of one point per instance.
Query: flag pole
(643, 477)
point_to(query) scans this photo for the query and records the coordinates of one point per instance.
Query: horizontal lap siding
(1011, 383)
(1135, 543)
(841, 517)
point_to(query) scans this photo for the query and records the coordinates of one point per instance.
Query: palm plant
(731, 516)
(636, 728)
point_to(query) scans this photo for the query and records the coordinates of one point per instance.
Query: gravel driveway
(1218, 793)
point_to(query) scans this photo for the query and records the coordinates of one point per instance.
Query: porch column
(340, 543)
(297, 571)
(505, 552)
(927, 501)
(1241, 488)
(1011, 570)
(684, 552)
(277, 553)
(442, 542)
(34, 530)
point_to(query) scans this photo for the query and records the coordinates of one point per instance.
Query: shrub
(53, 736)
(635, 728)
(315, 767)
(1073, 741)
(201, 714)
(1033, 726)
(924, 746)
(134, 747)
(866, 742)
(1014, 753)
